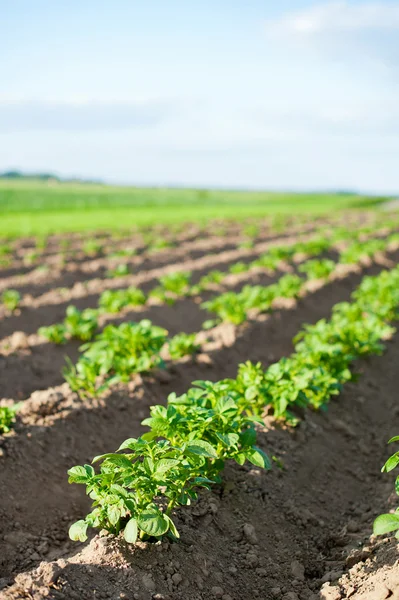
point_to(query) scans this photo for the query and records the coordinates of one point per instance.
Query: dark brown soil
(259, 535)
(300, 532)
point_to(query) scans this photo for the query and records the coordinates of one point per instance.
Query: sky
(287, 94)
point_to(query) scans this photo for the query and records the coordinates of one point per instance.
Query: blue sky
(262, 94)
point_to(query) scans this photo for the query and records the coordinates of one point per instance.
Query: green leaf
(149, 436)
(153, 522)
(385, 524)
(248, 437)
(77, 531)
(164, 465)
(394, 439)
(130, 443)
(240, 458)
(251, 392)
(114, 514)
(228, 439)
(172, 527)
(78, 474)
(226, 404)
(148, 465)
(203, 481)
(258, 458)
(201, 448)
(118, 459)
(119, 490)
(392, 463)
(131, 531)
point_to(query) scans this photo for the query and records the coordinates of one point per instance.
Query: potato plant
(389, 523)
(177, 283)
(78, 324)
(357, 251)
(81, 324)
(194, 434)
(317, 269)
(233, 307)
(54, 333)
(137, 491)
(7, 417)
(183, 344)
(113, 301)
(121, 270)
(11, 299)
(116, 354)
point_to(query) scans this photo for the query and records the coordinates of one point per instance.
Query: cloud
(337, 17)
(82, 115)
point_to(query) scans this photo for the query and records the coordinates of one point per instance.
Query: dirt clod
(250, 533)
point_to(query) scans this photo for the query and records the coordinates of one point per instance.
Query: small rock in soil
(352, 526)
(330, 593)
(177, 578)
(250, 533)
(148, 582)
(217, 591)
(298, 570)
(291, 596)
(252, 560)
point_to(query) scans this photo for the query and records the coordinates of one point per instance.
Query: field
(36, 207)
(250, 339)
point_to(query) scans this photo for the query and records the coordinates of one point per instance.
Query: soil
(297, 532)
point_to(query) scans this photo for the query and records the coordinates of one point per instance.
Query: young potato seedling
(11, 299)
(119, 271)
(7, 417)
(183, 344)
(113, 301)
(389, 523)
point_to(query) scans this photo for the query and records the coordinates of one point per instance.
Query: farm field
(33, 207)
(256, 353)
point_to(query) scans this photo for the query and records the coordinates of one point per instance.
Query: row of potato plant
(151, 241)
(83, 324)
(233, 307)
(228, 306)
(191, 437)
(130, 348)
(120, 350)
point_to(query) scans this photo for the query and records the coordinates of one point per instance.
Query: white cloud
(337, 17)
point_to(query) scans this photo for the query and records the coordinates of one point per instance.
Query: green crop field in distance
(32, 207)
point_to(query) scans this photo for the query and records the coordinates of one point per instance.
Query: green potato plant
(57, 333)
(177, 283)
(92, 247)
(115, 355)
(194, 434)
(317, 269)
(389, 523)
(11, 299)
(183, 344)
(7, 417)
(119, 271)
(137, 492)
(81, 324)
(357, 251)
(239, 267)
(113, 301)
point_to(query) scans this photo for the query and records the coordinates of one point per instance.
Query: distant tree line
(14, 174)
